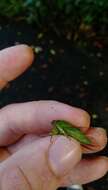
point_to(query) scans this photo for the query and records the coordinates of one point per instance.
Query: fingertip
(98, 137)
(25, 57)
(28, 53)
(64, 154)
(101, 137)
(84, 118)
(14, 61)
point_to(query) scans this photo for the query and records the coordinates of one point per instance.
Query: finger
(35, 117)
(86, 171)
(8, 151)
(98, 137)
(40, 165)
(24, 141)
(14, 61)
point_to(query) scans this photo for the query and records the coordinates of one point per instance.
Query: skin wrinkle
(25, 177)
(21, 175)
(57, 179)
(47, 159)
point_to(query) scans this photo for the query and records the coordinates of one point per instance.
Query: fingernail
(64, 154)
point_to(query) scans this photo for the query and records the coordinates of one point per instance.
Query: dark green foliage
(71, 11)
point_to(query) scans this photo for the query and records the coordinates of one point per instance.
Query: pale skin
(29, 159)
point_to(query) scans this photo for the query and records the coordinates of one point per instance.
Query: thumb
(40, 165)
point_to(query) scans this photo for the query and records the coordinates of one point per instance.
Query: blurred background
(70, 40)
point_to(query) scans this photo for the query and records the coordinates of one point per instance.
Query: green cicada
(61, 127)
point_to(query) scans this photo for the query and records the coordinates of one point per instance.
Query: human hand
(33, 161)
(30, 161)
